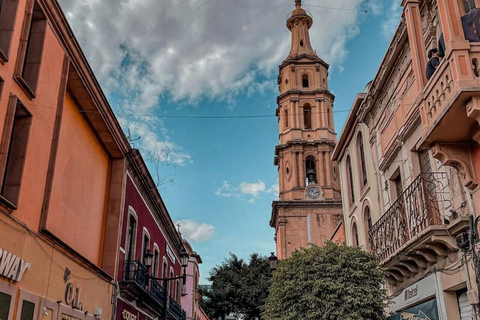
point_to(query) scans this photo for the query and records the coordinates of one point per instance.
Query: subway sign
(11, 266)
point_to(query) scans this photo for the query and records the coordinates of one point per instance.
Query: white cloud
(194, 231)
(390, 24)
(192, 48)
(251, 190)
(143, 51)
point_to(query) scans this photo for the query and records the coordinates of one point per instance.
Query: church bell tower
(310, 207)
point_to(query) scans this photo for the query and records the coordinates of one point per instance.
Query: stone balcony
(419, 228)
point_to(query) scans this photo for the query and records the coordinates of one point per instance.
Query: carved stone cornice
(457, 155)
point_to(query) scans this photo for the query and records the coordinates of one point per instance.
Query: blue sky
(177, 73)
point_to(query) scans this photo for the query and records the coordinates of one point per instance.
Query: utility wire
(333, 8)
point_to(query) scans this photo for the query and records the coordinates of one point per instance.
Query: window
(469, 5)
(355, 235)
(28, 309)
(286, 118)
(8, 12)
(31, 52)
(307, 116)
(350, 180)
(305, 81)
(146, 244)
(310, 170)
(5, 302)
(171, 287)
(328, 117)
(164, 269)
(156, 261)
(361, 152)
(14, 149)
(397, 181)
(368, 223)
(177, 292)
(131, 236)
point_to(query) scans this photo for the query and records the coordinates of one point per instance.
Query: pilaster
(411, 12)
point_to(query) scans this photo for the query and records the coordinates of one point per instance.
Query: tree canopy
(238, 288)
(327, 283)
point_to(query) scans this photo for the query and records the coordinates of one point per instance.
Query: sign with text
(170, 253)
(419, 291)
(11, 266)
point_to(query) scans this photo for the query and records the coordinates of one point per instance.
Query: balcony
(136, 285)
(420, 227)
(149, 294)
(447, 96)
(175, 311)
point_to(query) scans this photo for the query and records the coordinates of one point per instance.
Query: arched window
(307, 116)
(146, 244)
(361, 152)
(328, 117)
(171, 286)
(350, 180)
(286, 118)
(156, 260)
(305, 80)
(367, 216)
(164, 269)
(310, 170)
(130, 241)
(355, 235)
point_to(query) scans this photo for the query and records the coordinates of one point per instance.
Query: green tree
(238, 288)
(328, 283)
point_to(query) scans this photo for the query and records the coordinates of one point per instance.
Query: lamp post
(273, 260)
(148, 258)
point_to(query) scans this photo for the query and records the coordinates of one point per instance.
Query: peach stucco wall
(43, 110)
(80, 186)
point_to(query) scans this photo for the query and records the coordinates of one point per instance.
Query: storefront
(419, 301)
(38, 281)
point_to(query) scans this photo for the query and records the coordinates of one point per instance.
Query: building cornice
(146, 185)
(98, 110)
(296, 93)
(381, 77)
(327, 203)
(348, 129)
(296, 61)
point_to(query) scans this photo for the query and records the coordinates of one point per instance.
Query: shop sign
(421, 290)
(424, 311)
(127, 315)
(11, 266)
(72, 297)
(170, 253)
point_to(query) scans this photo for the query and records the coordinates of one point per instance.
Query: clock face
(313, 193)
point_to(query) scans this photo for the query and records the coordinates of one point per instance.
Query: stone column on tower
(310, 205)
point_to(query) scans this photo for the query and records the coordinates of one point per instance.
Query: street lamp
(148, 259)
(273, 260)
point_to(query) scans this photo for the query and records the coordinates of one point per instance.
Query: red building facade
(147, 229)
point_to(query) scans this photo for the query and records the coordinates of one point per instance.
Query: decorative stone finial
(298, 3)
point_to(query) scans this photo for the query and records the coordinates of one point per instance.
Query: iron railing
(157, 291)
(291, 14)
(135, 271)
(427, 200)
(174, 309)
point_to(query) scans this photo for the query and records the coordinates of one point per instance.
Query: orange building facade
(408, 163)
(62, 171)
(64, 168)
(310, 208)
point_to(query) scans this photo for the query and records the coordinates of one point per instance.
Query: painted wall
(145, 220)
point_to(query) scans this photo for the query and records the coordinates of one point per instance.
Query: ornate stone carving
(458, 156)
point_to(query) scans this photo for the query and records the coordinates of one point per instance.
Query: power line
(334, 8)
(205, 117)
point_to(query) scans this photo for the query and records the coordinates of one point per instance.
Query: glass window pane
(5, 301)
(27, 310)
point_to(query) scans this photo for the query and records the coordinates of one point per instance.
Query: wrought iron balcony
(174, 309)
(419, 227)
(137, 285)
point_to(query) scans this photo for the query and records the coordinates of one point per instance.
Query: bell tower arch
(309, 208)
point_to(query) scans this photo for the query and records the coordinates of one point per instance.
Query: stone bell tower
(310, 206)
